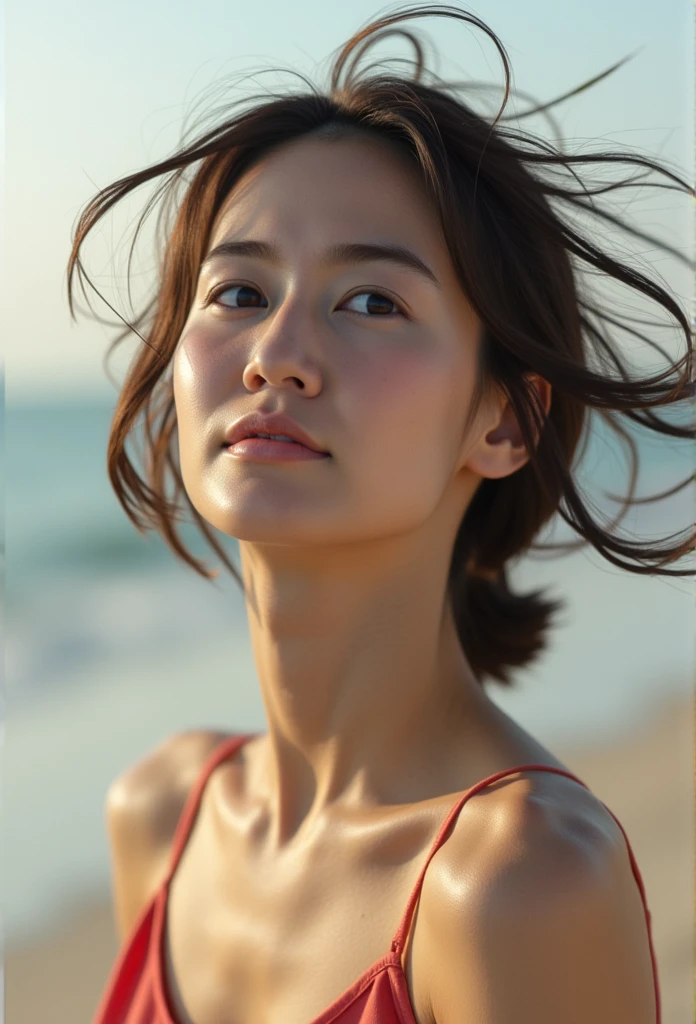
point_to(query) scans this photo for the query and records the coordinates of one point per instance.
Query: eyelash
(242, 284)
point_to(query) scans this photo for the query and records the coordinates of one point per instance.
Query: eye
(380, 302)
(376, 301)
(244, 297)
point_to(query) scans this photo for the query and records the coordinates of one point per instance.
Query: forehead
(319, 190)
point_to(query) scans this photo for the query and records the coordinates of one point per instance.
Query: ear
(500, 449)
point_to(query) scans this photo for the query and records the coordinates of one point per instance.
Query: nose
(280, 357)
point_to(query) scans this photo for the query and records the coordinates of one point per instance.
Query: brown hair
(518, 261)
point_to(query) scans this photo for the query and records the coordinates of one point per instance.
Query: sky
(95, 91)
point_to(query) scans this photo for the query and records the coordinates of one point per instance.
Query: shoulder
(165, 773)
(545, 920)
(143, 806)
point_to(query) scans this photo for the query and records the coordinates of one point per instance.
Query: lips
(262, 449)
(260, 422)
(277, 437)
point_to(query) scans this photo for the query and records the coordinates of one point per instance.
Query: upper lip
(269, 423)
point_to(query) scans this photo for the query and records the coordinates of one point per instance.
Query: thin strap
(221, 753)
(401, 932)
(398, 941)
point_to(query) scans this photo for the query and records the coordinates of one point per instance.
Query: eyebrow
(334, 255)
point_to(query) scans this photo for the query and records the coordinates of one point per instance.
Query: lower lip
(261, 449)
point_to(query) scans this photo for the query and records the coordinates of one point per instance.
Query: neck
(367, 693)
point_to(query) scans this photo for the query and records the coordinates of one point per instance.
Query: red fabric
(135, 992)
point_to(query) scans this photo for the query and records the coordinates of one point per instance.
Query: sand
(647, 781)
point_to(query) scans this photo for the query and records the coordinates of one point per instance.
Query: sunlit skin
(369, 698)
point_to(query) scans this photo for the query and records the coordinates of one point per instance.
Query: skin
(369, 698)
(308, 842)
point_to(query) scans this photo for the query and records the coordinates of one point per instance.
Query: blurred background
(111, 644)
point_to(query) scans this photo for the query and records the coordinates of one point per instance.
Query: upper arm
(556, 933)
(142, 808)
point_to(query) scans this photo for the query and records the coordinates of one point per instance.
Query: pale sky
(97, 90)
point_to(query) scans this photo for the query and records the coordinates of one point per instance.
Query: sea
(112, 644)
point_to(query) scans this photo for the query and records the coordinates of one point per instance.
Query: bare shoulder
(143, 806)
(161, 779)
(541, 827)
(528, 912)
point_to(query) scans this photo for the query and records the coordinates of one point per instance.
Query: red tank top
(135, 991)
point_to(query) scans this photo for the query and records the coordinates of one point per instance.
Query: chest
(246, 944)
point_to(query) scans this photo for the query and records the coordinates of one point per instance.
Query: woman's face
(372, 359)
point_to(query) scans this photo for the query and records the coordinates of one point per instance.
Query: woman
(370, 339)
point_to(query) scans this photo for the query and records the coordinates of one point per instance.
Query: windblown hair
(518, 260)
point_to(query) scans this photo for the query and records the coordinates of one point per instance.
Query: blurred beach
(112, 645)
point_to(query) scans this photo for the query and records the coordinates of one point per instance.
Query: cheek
(183, 367)
(193, 383)
(187, 373)
(413, 397)
(408, 437)
(192, 360)
(198, 381)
